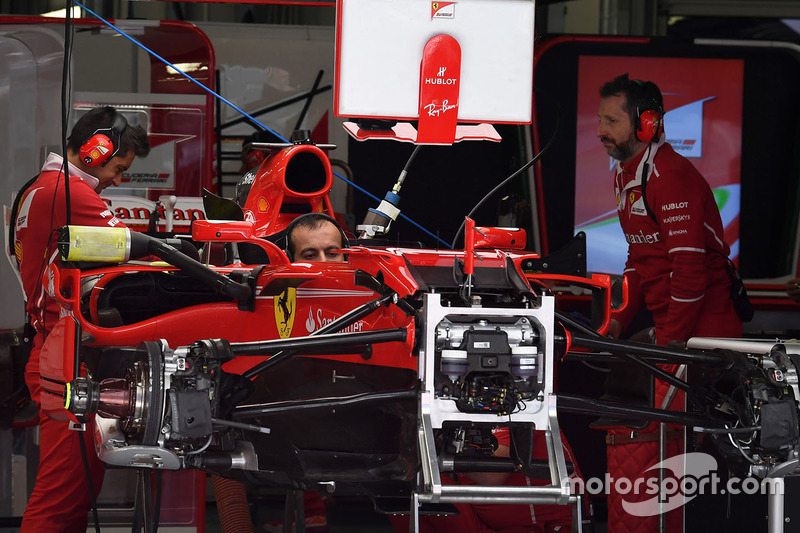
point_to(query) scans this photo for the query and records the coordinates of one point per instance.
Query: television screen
(731, 108)
(379, 48)
(703, 122)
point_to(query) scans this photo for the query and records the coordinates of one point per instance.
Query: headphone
(297, 221)
(253, 158)
(99, 149)
(649, 120)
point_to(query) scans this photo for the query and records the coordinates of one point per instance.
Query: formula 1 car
(363, 373)
(373, 375)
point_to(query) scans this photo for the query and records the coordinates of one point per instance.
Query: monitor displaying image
(703, 122)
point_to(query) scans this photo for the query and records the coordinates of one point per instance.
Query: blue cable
(234, 106)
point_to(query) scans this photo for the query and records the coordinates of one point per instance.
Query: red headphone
(649, 126)
(99, 149)
(650, 120)
(254, 158)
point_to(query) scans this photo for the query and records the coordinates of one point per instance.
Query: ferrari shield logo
(285, 304)
(443, 10)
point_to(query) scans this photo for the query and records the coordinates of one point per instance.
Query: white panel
(17, 151)
(30, 118)
(380, 44)
(47, 48)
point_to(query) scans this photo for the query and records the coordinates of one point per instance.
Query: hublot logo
(674, 205)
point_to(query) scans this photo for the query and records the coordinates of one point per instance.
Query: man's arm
(684, 229)
(621, 319)
(89, 209)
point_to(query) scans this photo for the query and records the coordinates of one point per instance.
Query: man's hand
(615, 328)
(793, 289)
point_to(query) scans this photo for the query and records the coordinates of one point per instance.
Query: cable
(741, 450)
(643, 186)
(92, 494)
(157, 510)
(65, 82)
(404, 172)
(502, 184)
(203, 448)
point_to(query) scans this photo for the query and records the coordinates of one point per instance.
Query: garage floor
(344, 515)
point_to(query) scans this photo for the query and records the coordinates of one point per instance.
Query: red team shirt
(674, 268)
(60, 500)
(678, 266)
(44, 207)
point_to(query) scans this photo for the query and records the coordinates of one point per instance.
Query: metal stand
(775, 513)
(662, 448)
(143, 506)
(776, 510)
(294, 515)
(541, 412)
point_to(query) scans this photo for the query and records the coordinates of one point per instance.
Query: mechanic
(315, 237)
(312, 237)
(677, 263)
(100, 148)
(251, 158)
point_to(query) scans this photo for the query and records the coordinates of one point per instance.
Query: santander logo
(316, 319)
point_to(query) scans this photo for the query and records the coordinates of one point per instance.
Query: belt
(635, 436)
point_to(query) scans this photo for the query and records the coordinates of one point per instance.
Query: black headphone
(299, 220)
(99, 149)
(650, 119)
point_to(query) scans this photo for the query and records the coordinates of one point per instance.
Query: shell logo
(263, 205)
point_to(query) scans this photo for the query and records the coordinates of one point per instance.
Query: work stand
(532, 327)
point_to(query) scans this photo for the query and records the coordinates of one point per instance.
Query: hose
(234, 512)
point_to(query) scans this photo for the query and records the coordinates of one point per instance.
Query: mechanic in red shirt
(677, 263)
(100, 148)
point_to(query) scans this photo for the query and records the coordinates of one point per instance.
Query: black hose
(257, 410)
(340, 323)
(588, 406)
(175, 257)
(676, 355)
(329, 340)
(503, 183)
(92, 493)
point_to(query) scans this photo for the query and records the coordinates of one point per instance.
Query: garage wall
(30, 118)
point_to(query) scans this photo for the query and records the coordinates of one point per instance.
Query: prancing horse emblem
(285, 304)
